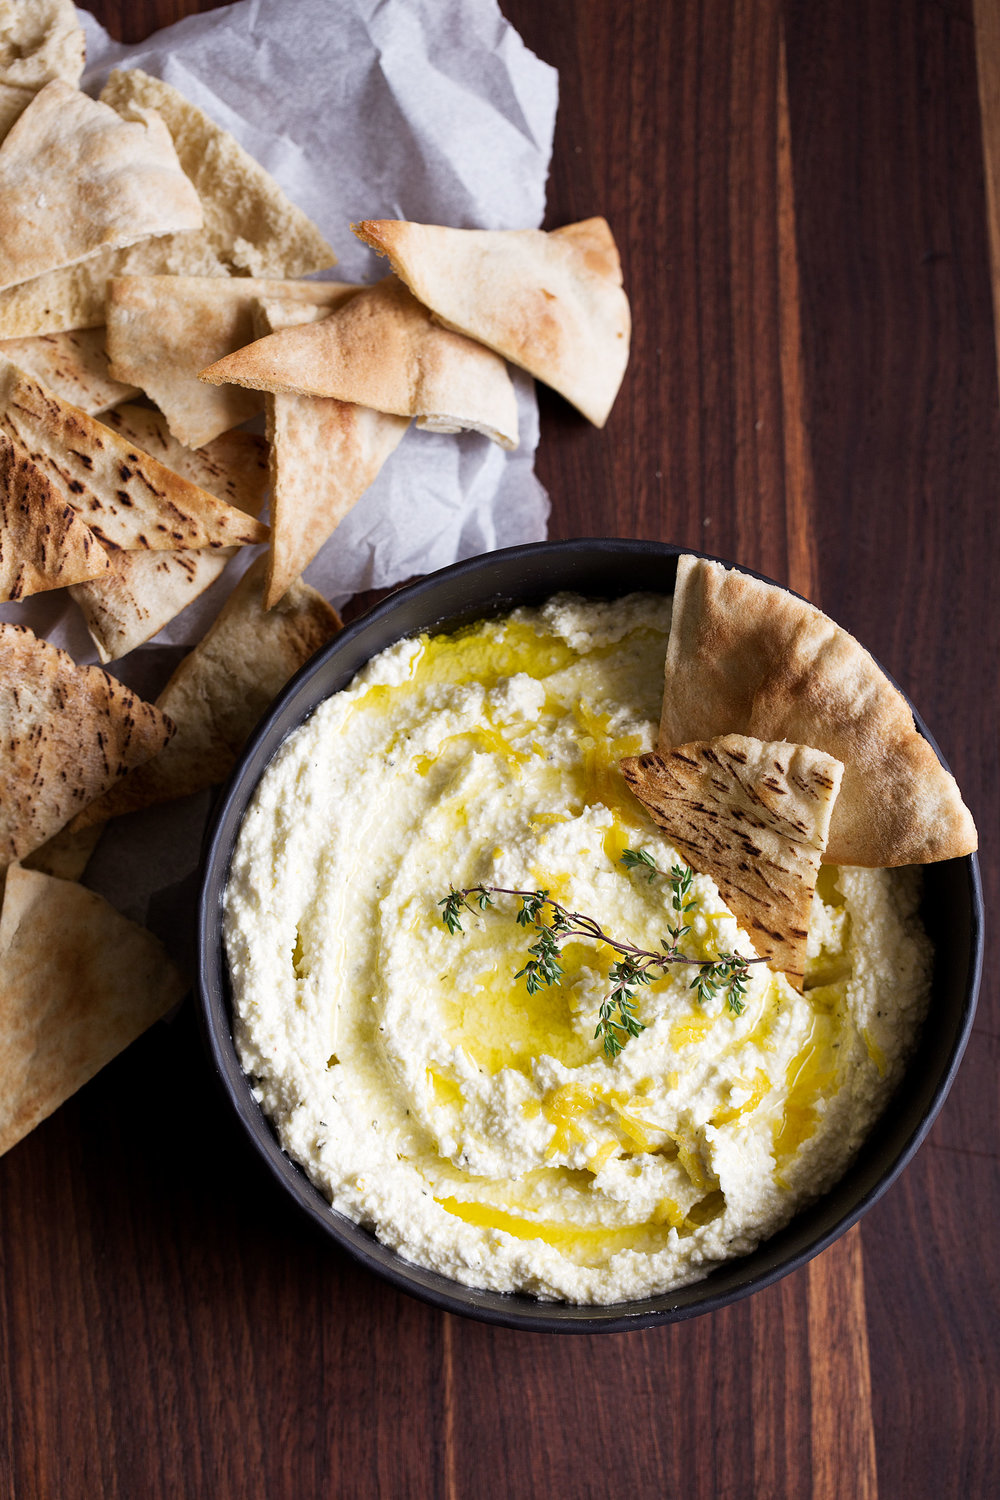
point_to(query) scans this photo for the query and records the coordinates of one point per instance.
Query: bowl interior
(952, 911)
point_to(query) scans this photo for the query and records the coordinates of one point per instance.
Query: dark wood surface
(798, 194)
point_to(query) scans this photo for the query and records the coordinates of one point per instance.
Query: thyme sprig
(617, 1017)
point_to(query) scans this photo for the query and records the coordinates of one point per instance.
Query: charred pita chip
(324, 455)
(222, 688)
(755, 817)
(44, 544)
(76, 178)
(142, 591)
(78, 983)
(74, 366)
(746, 657)
(67, 733)
(126, 497)
(164, 330)
(551, 303)
(384, 350)
(250, 226)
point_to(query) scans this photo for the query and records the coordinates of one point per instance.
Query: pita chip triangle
(164, 330)
(73, 366)
(66, 854)
(551, 303)
(126, 497)
(67, 733)
(44, 544)
(222, 688)
(383, 349)
(142, 590)
(747, 657)
(76, 178)
(754, 817)
(78, 983)
(324, 455)
(250, 227)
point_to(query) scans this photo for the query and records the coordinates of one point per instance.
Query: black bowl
(456, 596)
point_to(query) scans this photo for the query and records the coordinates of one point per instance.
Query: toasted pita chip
(746, 657)
(126, 497)
(66, 854)
(67, 733)
(78, 983)
(222, 688)
(44, 544)
(74, 366)
(143, 590)
(755, 817)
(384, 350)
(250, 226)
(40, 40)
(324, 455)
(76, 178)
(163, 330)
(551, 303)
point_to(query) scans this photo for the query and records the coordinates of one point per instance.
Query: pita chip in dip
(76, 178)
(756, 818)
(78, 983)
(127, 498)
(747, 657)
(384, 349)
(552, 303)
(163, 330)
(67, 733)
(324, 454)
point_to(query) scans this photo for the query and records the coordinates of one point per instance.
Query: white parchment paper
(432, 110)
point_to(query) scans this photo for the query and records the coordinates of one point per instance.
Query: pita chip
(755, 817)
(44, 544)
(384, 350)
(250, 227)
(40, 40)
(163, 330)
(76, 178)
(551, 303)
(747, 657)
(74, 366)
(78, 983)
(67, 733)
(127, 498)
(142, 590)
(324, 455)
(221, 689)
(66, 854)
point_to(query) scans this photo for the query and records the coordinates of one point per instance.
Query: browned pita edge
(142, 591)
(222, 688)
(76, 178)
(251, 227)
(40, 40)
(74, 366)
(126, 497)
(66, 854)
(162, 330)
(383, 349)
(67, 733)
(754, 817)
(747, 657)
(324, 455)
(78, 983)
(552, 303)
(44, 544)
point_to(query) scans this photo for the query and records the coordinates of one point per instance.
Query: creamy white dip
(478, 1129)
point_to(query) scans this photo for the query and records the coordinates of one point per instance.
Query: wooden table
(798, 193)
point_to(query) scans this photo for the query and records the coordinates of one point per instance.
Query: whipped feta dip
(481, 1130)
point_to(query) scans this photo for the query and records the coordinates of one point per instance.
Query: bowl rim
(512, 1310)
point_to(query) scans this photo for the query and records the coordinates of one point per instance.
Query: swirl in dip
(476, 1128)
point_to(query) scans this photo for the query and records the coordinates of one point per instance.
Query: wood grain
(798, 193)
